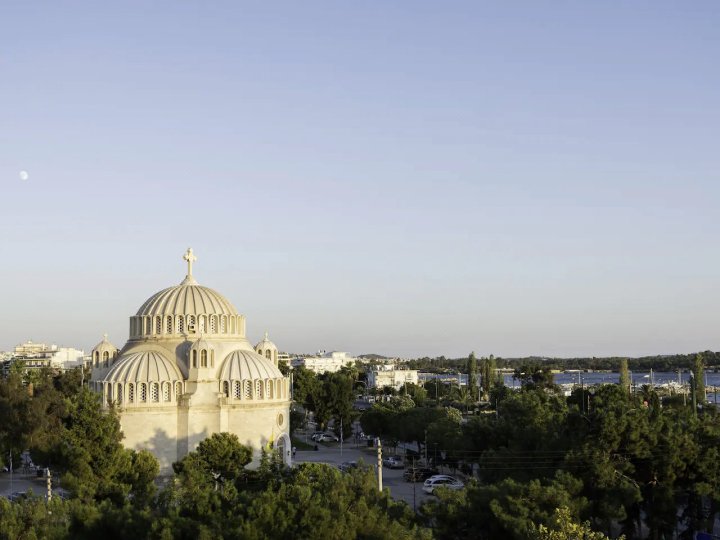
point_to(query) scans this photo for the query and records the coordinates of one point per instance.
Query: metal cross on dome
(190, 258)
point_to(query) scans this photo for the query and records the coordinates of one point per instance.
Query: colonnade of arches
(103, 358)
(206, 358)
(249, 390)
(141, 393)
(165, 325)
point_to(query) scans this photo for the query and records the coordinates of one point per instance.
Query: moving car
(327, 437)
(441, 480)
(393, 462)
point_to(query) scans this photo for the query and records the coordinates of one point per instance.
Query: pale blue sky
(410, 178)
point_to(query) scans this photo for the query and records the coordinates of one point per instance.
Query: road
(331, 454)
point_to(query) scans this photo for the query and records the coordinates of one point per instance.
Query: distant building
(39, 355)
(325, 362)
(384, 376)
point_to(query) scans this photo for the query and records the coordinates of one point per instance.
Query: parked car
(434, 482)
(317, 435)
(327, 437)
(393, 462)
(418, 474)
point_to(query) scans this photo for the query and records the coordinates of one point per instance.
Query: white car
(441, 480)
(327, 437)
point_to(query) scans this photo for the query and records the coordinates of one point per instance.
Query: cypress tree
(472, 376)
(699, 373)
(624, 376)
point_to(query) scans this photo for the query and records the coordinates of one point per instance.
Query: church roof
(240, 365)
(143, 366)
(266, 344)
(187, 298)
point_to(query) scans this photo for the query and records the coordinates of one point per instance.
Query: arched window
(203, 358)
(181, 324)
(226, 389)
(169, 325)
(143, 392)
(191, 324)
(154, 392)
(268, 354)
(237, 392)
(247, 390)
(97, 358)
(223, 324)
(269, 389)
(194, 359)
(119, 393)
(258, 389)
(203, 324)
(178, 390)
(213, 324)
(166, 391)
(131, 393)
(158, 324)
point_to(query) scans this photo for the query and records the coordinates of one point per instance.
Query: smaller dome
(105, 345)
(201, 343)
(143, 366)
(247, 365)
(265, 344)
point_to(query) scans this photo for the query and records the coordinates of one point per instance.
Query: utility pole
(379, 464)
(341, 437)
(49, 485)
(11, 473)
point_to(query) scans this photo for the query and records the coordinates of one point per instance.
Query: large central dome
(186, 309)
(187, 299)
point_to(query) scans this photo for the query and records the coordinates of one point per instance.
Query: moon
(24, 175)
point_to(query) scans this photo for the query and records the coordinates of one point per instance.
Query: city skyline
(409, 180)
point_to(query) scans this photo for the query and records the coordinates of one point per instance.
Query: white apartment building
(323, 362)
(39, 355)
(389, 376)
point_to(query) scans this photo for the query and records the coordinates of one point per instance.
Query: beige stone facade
(188, 371)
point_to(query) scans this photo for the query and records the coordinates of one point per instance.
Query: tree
(699, 375)
(472, 369)
(624, 375)
(318, 501)
(488, 376)
(566, 529)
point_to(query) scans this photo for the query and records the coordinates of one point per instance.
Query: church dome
(186, 309)
(188, 298)
(143, 366)
(103, 354)
(247, 365)
(267, 349)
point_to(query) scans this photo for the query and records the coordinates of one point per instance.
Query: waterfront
(592, 378)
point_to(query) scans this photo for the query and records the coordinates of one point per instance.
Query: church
(188, 371)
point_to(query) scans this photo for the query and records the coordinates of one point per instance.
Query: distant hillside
(373, 356)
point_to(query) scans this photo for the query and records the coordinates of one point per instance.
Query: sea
(592, 378)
